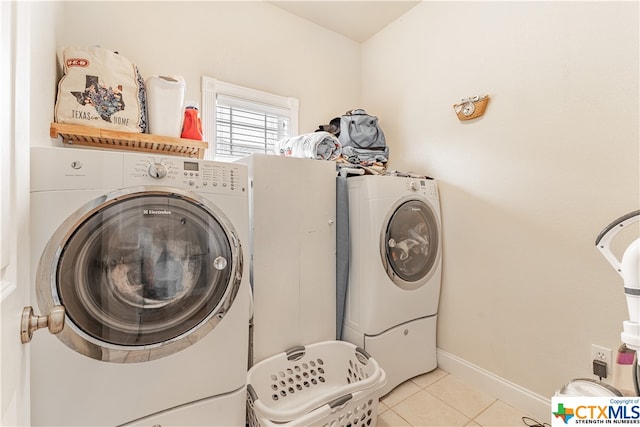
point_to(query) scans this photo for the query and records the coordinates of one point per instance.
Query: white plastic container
(165, 97)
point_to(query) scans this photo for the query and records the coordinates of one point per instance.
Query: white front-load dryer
(395, 272)
(146, 253)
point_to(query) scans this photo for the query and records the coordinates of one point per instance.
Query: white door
(14, 208)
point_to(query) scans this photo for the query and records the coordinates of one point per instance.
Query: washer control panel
(190, 174)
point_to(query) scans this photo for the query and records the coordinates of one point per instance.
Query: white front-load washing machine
(394, 272)
(146, 253)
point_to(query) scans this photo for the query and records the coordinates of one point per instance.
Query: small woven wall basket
(471, 108)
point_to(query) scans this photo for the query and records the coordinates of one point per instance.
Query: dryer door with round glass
(410, 244)
(142, 274)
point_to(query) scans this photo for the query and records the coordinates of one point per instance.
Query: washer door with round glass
(410, 243)
(142, 273)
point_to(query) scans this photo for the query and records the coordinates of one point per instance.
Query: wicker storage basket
(471, 108)
(333, 383)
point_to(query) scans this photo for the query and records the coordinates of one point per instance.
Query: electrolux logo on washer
(156, 212)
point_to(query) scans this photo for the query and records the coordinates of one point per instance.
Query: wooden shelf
(104, 138)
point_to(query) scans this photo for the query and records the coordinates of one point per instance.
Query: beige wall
(525, 189)
(253, 44)
(46, 23)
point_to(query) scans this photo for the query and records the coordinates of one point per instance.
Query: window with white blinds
(239, 121)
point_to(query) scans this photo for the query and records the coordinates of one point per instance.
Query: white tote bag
(102, 89)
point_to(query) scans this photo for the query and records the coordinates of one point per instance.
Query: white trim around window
(216, 93)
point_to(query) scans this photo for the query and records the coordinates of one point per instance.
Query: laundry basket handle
(362, 355)
(339, 401)
(252, 393)
(295, 353)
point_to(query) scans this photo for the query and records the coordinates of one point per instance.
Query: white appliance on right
(394, 273)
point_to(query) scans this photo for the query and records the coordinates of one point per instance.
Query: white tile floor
(440, 399)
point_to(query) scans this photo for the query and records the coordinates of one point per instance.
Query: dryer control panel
(189, 174)
(422, 186)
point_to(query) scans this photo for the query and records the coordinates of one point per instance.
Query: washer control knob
(414, 186)
(157, 170)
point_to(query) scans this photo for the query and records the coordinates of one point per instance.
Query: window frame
(249, 98)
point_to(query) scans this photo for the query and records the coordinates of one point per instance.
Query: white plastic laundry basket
(332, 383)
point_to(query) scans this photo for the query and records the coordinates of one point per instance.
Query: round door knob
(30, 323)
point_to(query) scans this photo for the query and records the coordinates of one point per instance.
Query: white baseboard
(533, 404)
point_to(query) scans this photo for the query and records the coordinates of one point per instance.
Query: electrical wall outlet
(602, 354)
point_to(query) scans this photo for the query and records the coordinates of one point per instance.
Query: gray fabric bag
(361, 130)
